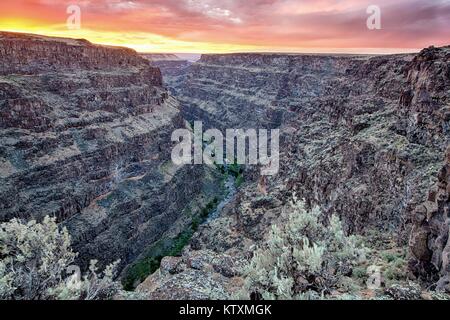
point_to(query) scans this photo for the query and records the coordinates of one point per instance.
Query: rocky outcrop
(198, 275)
(425, 119)
(425, 103)
(30, 54)
(85, 136)
(154, 57)
(429, 241)
(252, 90)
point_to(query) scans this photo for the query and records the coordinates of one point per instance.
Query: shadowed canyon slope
(85, 136)
(363, 137)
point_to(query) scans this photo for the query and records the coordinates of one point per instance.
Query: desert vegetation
(303, 257)
(36, 260)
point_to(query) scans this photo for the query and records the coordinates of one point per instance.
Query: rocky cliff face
(85, 136)
(172, 65)
(429, 240)
(361, 136)
(425, 119)
(424, 104)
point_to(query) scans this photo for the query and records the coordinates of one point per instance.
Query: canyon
(85, 136)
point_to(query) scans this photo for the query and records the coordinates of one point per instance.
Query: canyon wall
(425, 107)
(171, 63)
(85, 136)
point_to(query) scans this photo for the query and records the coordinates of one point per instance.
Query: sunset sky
(201, 26)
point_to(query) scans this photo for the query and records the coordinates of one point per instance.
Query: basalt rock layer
(429, 239)
(425, 114)
(85, 136)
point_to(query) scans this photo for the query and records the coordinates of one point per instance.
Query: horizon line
(311, 51)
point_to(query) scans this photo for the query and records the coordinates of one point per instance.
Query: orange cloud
(238, 25)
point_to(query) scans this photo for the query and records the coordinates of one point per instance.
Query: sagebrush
(34, 263)
(303, 257)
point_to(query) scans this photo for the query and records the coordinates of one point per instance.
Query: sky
(214, 26)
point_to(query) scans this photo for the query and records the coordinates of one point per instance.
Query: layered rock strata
(85, 136)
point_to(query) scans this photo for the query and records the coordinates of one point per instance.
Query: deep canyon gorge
(85, 136)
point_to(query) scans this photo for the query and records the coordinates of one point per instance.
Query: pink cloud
(270, 23)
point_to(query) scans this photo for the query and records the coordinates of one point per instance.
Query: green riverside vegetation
(151, 259)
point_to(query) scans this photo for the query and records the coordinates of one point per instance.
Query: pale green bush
(34, 258)
(303, 258)
(91, 287)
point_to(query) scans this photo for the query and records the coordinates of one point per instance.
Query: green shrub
(235, 169)
(302, 257)
(360, 273)
(140, 270)
(389, 256)
(395, 270)
(395, 266)
(151, 261)
(239, 180)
